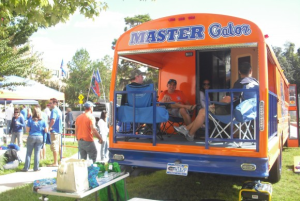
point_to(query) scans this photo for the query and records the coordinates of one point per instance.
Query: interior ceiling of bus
(156, 58)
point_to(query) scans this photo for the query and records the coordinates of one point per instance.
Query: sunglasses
(206, 84)
(16, 112)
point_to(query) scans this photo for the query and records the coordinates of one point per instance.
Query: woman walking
(102, 124)
(35, 126)
(16, 127)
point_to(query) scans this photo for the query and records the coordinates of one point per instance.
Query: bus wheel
(275, 172)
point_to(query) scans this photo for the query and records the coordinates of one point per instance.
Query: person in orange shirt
(85, 129)
(181, 107)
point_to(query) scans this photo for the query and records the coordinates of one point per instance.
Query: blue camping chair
(241, 117)
(141, 111)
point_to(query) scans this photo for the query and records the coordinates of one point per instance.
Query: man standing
(85, 129)
(9, 113)
(24, 115)
(47, 112)
(55, 128)
(69, 119)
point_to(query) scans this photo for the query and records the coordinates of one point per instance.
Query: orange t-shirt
(177, 96)
(83, 124)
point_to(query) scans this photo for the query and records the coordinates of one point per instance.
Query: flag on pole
(95, 83)
(63, 72)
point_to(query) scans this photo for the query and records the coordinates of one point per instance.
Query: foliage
(15, 61)
(81, 69)
(125, 66)
(290, 62)
(20, 61)
(2, 162)
(24, 17)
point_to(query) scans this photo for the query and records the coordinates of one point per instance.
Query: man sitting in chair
(136, 78)
(181, 107)
(246, 79)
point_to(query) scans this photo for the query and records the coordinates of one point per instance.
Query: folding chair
(242, 126)
(241, 118)
(139, 112)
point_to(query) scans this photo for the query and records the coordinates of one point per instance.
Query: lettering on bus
(170, 35)
(216, 30)
(196, 32)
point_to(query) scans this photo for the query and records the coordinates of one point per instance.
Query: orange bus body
(172, 61)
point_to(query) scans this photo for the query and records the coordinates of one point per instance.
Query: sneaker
(181, 129)
(189, 137)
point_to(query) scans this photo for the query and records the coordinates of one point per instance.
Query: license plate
(177, 169)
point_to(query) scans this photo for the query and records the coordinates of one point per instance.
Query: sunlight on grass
(160, 186)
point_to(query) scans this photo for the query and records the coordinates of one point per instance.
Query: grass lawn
(68, 151)
(160, 186)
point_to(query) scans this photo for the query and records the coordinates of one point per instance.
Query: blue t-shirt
(36, 127)
(56, 115)
(24, 113)
(17, 124)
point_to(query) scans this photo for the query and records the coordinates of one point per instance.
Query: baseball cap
(135, 73)
(172, 80)
(88, 104)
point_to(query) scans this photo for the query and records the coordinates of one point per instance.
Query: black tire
(275, 172)
(126, 168)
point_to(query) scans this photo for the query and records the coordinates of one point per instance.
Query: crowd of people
(45, 127)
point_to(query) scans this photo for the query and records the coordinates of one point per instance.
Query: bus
(190, 48)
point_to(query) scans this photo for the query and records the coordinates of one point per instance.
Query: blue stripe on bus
(226, 165)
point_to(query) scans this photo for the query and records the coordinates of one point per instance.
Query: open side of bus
(191, 48)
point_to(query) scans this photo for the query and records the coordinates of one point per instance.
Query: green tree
(289, 60)
(16, 61)
(126, 66)
(81, 69)
(21, 18)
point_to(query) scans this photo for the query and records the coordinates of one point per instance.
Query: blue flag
(96, 79)
(63, 72)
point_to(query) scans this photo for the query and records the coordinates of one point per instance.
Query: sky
(279, 19)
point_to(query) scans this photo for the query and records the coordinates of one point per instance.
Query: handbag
(72, 176)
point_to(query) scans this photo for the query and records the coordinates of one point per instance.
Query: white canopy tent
(31, 90)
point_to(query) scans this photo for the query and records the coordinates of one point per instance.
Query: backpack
(11, 155)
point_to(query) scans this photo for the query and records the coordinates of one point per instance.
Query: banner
(95, 85)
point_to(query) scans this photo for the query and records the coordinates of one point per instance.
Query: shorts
(174, 112)
(55, 141)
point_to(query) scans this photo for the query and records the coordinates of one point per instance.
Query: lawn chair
(241, 119)
(141, 111)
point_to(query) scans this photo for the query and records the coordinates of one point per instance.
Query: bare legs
(197, 123)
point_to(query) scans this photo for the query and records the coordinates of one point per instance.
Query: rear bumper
(225, 165)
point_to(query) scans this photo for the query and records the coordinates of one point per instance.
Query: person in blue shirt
(16, 127)
(55, 129)
(24, 114)
(35, 127)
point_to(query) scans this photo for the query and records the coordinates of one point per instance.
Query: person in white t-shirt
(102, 124)
(9, 114)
